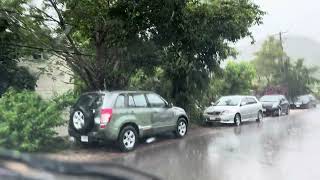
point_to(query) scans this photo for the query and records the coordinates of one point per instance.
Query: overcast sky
(298, 17)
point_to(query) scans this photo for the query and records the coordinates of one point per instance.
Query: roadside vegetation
(174, 48)
(277, 70)
(27, 121)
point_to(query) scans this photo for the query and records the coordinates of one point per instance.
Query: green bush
(65, 100)
(27, 121)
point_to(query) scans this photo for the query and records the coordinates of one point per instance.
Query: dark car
(275, 105)
(305, 102)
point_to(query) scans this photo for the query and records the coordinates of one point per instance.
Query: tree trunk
(100, 68)
(100, 63)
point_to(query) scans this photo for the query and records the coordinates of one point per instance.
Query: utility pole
(281, 60)
(284, 63)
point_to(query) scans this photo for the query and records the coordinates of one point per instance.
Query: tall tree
(199, 40)
(273, 64)
(300, 78)
(268, 59)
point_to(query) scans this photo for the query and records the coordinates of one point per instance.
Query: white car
(234, 109)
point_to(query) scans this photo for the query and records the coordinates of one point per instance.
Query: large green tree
(268, 60)
(118, 32)
(198, 41)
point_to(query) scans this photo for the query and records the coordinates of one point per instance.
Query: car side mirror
(243, 103)
(212, 103)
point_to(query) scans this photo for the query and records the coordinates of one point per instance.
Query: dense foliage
(27, 121)
(275, 68)
(10, 73)
(238, 78)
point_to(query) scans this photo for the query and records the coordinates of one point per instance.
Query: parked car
(275, 105)
(234, 109)
(305, 101)
(124, 117)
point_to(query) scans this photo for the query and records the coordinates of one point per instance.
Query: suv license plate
(84, 139)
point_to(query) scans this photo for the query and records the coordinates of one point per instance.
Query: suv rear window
(93, 100)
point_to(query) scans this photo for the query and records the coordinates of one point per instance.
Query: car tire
(260, 116)
(181, 128)
(128, 138)
(81, 122)
(237, 120)
(288, 111)
(277, 112)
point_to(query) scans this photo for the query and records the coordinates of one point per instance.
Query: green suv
(124, 117)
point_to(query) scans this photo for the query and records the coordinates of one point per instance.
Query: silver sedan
(234, 109)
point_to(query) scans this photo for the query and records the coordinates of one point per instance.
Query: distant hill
(295, 46)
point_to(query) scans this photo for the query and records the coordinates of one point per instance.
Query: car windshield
(303, 98)
(269, 99)
(228, 101)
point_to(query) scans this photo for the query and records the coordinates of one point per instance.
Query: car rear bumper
(94, 136)
(302, 106)
(269, 111)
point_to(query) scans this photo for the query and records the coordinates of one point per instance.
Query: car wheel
(288, 111)
(237, 120)
(260, 117)
(182, 128)
(277, 112)
(81, 121)
(127, 139)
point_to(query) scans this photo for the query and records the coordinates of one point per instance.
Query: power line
(47, 49)
(26, 15)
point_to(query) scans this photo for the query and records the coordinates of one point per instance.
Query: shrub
(27, 121)
(65, 100)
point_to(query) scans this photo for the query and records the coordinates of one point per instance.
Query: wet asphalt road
(286, 147)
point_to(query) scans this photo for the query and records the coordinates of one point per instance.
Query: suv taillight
(105, 117)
